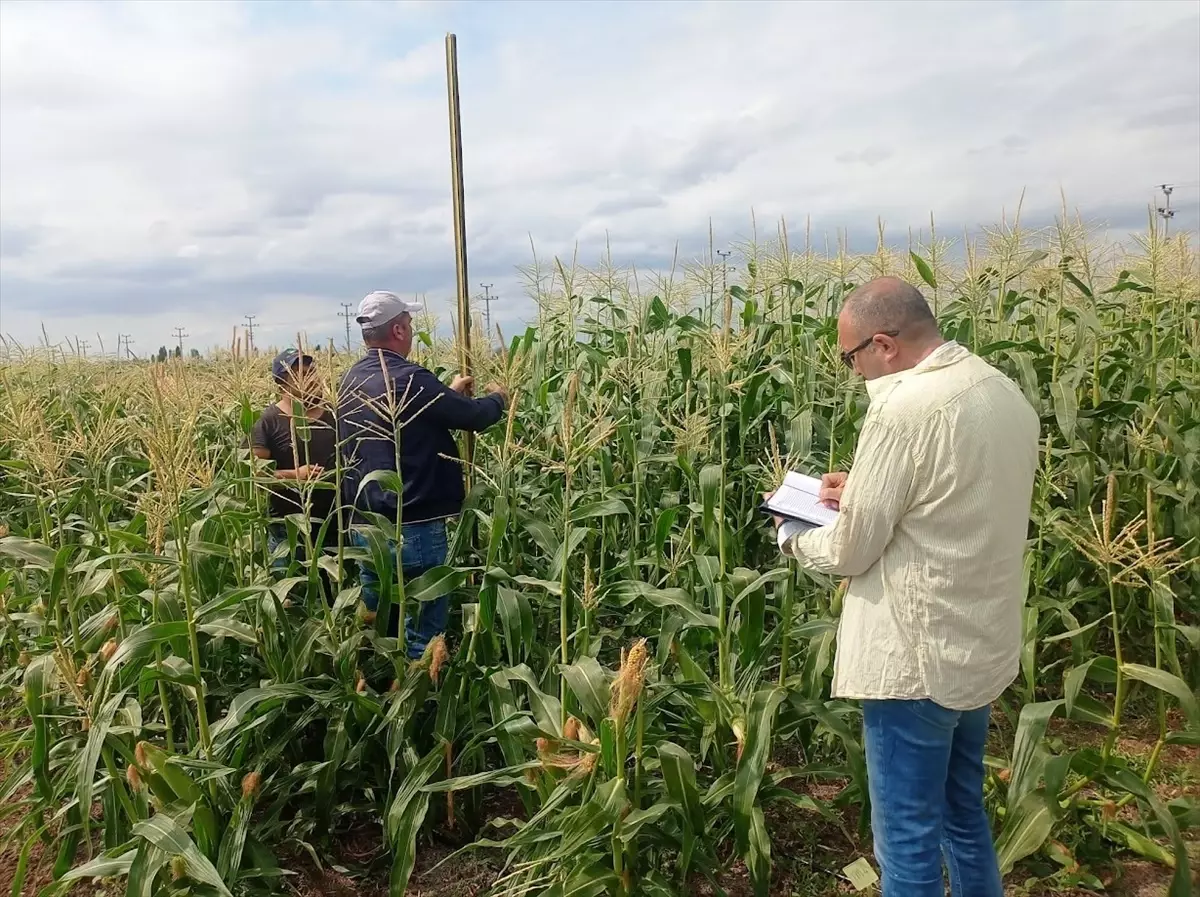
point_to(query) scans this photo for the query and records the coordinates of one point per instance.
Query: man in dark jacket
(389, 408)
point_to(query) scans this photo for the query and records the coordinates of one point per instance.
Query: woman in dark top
(301, 448)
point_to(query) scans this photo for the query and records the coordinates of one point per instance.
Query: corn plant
(629, 657)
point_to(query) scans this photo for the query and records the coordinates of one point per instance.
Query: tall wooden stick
(460, 227)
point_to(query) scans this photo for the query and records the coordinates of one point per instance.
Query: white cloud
(164, 164)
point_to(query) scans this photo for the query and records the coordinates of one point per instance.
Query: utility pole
(179, 334)
(250, 325)
(488, 299)
(726, 301)
(347, 314)
(724, 254)
(126, 339)
(82, 345)
(1165, 211)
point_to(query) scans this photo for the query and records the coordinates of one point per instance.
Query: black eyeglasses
(848, 356)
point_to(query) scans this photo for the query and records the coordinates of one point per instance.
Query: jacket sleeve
(451, 409)
(877, 494)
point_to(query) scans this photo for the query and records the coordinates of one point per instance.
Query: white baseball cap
(381, 306)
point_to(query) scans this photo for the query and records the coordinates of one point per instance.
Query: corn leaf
(1028, 754)
(162, 831)
(923, 269)
(1181, 882)
(1169, 683)
(753, 763)
(588, 683)
(404, 818)
(1027, 825)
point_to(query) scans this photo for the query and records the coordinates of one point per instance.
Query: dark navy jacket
(426, 410)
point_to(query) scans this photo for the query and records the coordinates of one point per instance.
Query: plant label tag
(861, 875)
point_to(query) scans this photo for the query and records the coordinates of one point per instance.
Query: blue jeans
(423, 547)
(277, 536)
(925, 773)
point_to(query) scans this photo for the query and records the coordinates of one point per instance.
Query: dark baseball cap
(287, 360)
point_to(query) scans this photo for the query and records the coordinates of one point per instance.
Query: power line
(179, 334)
(347, 314)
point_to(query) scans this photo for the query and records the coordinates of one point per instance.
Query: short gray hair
(380, 332)
(889, 303)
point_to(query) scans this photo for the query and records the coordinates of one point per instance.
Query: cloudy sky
(184, 164)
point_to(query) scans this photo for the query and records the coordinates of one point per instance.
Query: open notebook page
(797, 499)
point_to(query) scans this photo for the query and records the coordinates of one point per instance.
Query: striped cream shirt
(931, 531)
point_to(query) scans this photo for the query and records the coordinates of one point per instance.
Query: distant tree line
(164, 353)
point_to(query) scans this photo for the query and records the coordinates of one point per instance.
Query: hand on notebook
(798, 499)
(832, 485)
(778, 520)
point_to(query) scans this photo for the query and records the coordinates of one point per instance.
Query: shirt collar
(948, 353)
(373, 353)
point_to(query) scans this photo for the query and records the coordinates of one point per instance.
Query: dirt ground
(40, 862)
(808, 853)
(808, 850)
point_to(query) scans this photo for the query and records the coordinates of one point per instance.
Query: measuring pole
(460, 227)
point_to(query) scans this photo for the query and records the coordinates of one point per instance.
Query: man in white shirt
(931, 530)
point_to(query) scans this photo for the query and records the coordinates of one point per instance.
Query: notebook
(796, 499)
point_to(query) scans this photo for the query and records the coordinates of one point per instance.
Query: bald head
(889, 303)
(888, 326)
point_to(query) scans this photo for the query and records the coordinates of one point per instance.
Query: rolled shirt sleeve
(878, 491)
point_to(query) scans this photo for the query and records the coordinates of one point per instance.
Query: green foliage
(226, 720)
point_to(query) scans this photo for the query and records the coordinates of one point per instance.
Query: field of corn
(633, 697)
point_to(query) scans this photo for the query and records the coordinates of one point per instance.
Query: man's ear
(889, 344)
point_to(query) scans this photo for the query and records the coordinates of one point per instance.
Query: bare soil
(362, 849)
(808, 850)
